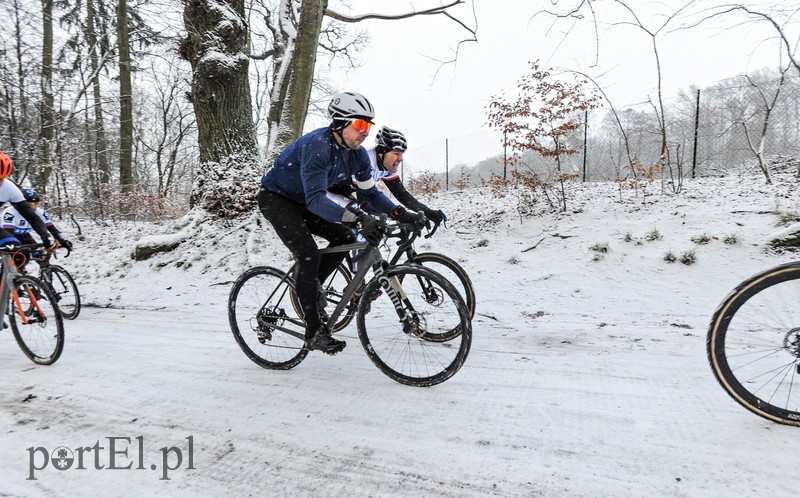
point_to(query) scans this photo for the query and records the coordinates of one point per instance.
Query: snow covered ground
(587, 374)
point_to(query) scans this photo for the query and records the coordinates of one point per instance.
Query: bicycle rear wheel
(36, 321)
(753, 344)
(263, 320)
(404, 350)
(66, 292)
(452, 271)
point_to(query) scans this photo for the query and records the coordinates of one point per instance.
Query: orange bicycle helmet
(6, 166)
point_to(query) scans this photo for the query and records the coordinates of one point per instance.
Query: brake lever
(433, 231)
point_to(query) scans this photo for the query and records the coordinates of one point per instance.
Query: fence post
(446, 164)
(585, 139)
(696, 127)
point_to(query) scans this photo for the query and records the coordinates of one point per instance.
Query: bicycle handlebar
(435, 227)
(31, 248)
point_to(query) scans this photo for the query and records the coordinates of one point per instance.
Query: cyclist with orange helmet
(12, 194)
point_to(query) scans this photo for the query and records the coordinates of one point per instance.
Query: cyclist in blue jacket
(294, 198)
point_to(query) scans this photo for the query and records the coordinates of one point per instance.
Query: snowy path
(587, 375)
(631, 411)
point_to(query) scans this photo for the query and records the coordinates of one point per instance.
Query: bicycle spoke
(754, 344)
(431, 343)
(263, 320)
(35, 321)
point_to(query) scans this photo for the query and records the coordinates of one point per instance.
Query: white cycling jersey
(17, 224)
(379, 174)
(9, 192)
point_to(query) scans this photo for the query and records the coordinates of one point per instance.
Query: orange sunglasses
(362, 125)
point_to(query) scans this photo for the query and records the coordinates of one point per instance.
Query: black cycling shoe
(322, 341)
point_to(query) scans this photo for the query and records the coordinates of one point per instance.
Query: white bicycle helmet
(388, 139)
(350, 105)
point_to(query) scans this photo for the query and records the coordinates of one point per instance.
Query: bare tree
(163, 136)
(125, 99)
(296, 40)
(46, 111)
(654, 33)
(777, 17)
(766, 105)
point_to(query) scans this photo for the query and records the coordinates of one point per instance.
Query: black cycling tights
(295, 224)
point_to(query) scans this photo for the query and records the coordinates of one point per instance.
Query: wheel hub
(792, 342)
(266, 320)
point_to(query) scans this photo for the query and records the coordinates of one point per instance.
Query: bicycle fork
(402, 306)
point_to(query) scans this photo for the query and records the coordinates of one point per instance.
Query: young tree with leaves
(541, 120)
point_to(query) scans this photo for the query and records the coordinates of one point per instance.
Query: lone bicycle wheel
(263, 320)
(753, 344)
(36, 321)
(404, 349)
(65, 290)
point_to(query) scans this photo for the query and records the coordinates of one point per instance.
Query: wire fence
(724, 130)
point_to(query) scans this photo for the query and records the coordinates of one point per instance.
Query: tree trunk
(294, 74)
(100, 131)
(218, 51)
(14, 126)
(46, 113)
(125, 99)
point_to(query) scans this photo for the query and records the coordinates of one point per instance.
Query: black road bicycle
(439, 263)
(412, 322)
(753, 344)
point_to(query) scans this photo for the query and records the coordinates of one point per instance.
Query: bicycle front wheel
(36, 321)
(452, 271)
(412, 350)
(264, 322)
(753, 344)
(65, 290)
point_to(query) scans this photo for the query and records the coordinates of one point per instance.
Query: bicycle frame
(370, 259)
(7, 274)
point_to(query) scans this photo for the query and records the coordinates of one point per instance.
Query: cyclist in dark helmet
(294, 198)
(15, 223)
(385, 159)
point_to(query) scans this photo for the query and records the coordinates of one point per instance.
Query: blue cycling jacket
(312, 163)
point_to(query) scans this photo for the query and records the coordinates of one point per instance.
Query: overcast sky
(400, 64)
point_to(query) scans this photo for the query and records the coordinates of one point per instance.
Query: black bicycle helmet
(31, 195)
(388, 139)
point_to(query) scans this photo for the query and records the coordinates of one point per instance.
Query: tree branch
(442, 9)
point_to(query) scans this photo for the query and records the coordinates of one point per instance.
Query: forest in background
(63, 118)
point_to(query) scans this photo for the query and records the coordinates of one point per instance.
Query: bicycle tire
(438, 263)
(333, 287)
(66, 291)
(40, 334)
(259, 298)
(407, 356)
(753, 344)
